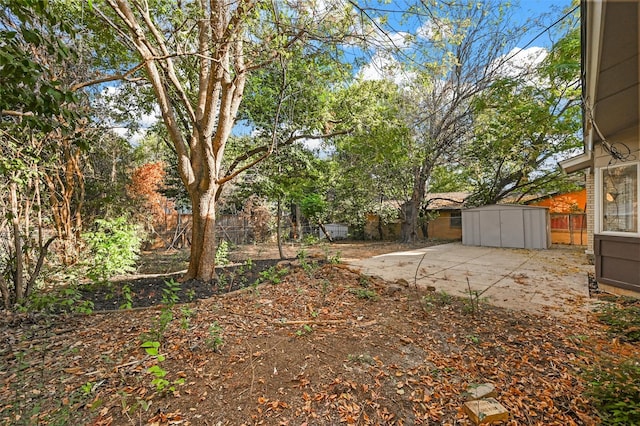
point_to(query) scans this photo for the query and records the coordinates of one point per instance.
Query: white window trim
(598, 201)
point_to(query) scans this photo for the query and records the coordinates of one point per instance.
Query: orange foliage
(146, 183)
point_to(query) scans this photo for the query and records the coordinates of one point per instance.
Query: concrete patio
(549, 282)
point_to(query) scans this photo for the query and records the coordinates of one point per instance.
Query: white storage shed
(507, 225)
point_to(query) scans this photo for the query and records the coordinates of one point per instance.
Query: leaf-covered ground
(324, 346)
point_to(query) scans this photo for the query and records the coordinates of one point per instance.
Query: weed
(473, 339)
(614, 388)
(273, 275)
(433, 299)
(170, 292)
(185, 317)
(214, 341)
(68, 299)
(306, 329)
(127, 295)
(222, 253)
(114, 246)
(365, 293)
(191, 294)
(159, 381)
(623, 320)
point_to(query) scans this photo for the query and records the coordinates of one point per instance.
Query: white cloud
(383, 66)
(519, 62)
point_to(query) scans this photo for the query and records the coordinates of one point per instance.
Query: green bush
(114, 246)
(623, 320)
(614, 388)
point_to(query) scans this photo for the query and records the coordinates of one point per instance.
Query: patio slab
(552, 281)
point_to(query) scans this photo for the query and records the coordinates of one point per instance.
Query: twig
(415, 277)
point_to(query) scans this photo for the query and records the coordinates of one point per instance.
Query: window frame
(599, 200)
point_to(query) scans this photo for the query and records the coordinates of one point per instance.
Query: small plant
(273, 275)
(170, 292)
(222, 253)
(185, 317)
(67, 299)
(473, 305)
(191, 294)
(614, 389)
(114, 246)
(306, 329)
(433, 299)
(214, 340)
(365, 293)
(623, 320)
(127, 295)
(160, 382)
(473, 339)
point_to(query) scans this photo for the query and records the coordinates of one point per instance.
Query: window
(455, 219)
(620, 198)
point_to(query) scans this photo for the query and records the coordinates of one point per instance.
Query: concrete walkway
(552, 281)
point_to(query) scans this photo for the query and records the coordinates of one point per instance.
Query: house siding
(591, 196)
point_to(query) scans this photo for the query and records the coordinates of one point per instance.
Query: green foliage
(114, 246)
(214, 340)
(170, 292)
(623, 320)
(127, 295)
(222, 253)
(273, 275)
(161, 384)
(435, 299)
(614, 389)
(66, 299)
(306, 329)
(365, 293)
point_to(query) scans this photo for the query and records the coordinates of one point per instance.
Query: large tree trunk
(202, 264)
(410, 210)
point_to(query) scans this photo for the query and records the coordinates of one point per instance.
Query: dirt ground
(320, 344)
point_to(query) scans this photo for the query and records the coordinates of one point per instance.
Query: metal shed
(507, 225)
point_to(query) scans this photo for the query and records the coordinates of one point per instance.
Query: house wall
(440, 227)
(590, 186)
(617, 256)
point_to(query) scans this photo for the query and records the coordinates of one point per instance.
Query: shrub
(614, 388)
(114, 247)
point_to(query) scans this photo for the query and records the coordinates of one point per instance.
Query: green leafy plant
(214, 340)
(306, 329)
(433, 299)
(67, 299)
(159, 381)
(273, 275)
(127, 295)
(222, 253)
(614, 389)
(114, 246)
(170, 292)
(185, 317)
(623, 319)
(365, 293)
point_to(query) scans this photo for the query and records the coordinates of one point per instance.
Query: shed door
(490, 228)
(511, 222)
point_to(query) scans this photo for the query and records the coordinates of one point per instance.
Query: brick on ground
(483, 411)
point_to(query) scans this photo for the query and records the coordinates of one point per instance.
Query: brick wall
(591, 197)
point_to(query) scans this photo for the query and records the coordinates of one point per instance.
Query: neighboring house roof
(446, 200)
